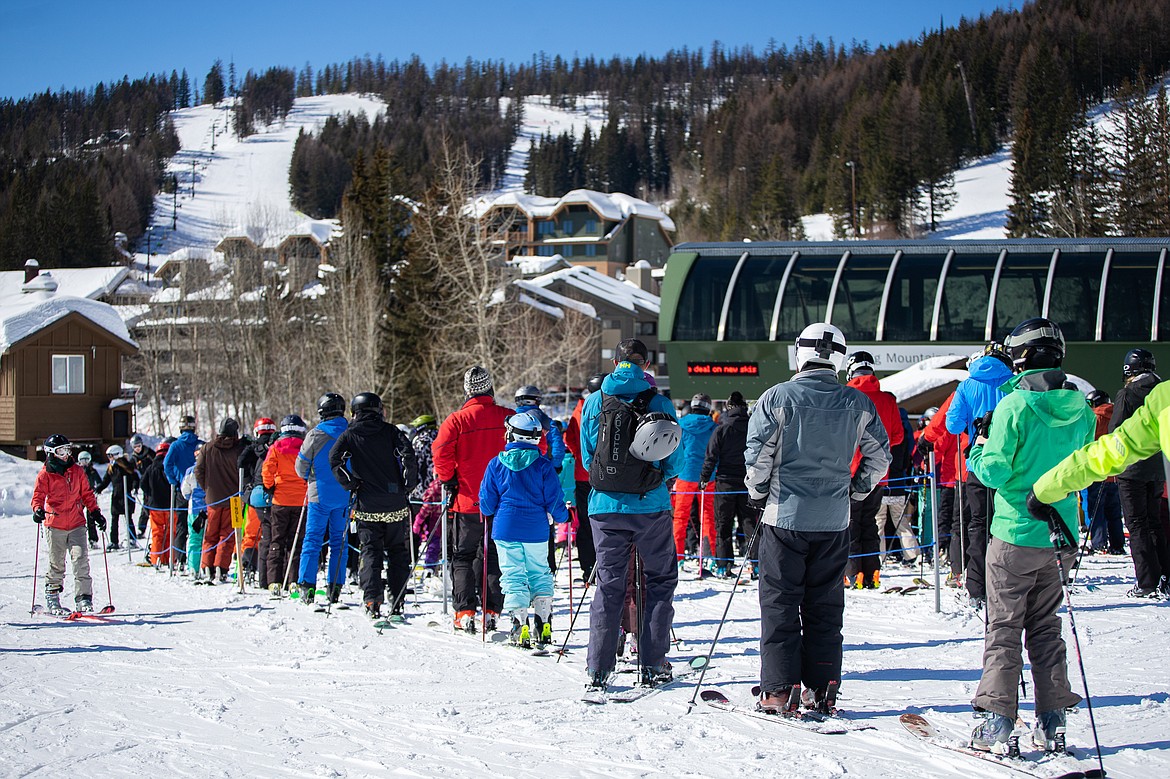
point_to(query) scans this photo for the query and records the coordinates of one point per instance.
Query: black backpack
(613, 468)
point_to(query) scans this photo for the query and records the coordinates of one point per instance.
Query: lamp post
(174, 201)
(853, 194)
(149, 230)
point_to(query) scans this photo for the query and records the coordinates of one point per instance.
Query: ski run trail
(204, 681)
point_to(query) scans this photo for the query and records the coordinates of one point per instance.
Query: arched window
(701, 301)
(963, 313)
(806, 296)
(1129, 296)
(749, 317)
(1020, 293)
(859, 295)
(1076, 287)
(910, 301)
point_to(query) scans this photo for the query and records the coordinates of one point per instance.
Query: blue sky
(76, 44)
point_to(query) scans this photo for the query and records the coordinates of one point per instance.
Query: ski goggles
(62, 452)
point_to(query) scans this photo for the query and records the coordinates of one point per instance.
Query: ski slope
(203, 681)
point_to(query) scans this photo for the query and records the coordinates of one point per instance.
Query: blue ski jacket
(626, 381)
(552, 434)
(976, 395)
(696, 432)
(180, 456)
(312, 464)
(520, 489)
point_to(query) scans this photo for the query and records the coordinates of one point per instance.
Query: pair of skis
(638, 691)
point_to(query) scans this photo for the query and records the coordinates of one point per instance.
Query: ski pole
(109, 609)
(238, 533)
(484, 592)
(171, 536)
(36, 568)
(569, 549)
(296, 533)
(573, 619)
(960, 489)
(638, 610)
(723, 619)
(129, 517)
(1088, 535)
(443, 542)
(934, 529)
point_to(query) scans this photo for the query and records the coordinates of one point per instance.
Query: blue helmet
(524, 427)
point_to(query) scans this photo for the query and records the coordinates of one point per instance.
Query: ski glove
(96, 517)
(199, 521)
(757, 504)
(38, 516)
(1058, 532)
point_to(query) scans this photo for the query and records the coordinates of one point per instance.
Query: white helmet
(524, 427)
(84, 457)
(657, 436)
(821, 344)
(114, 452)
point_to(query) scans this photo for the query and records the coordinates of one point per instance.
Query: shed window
(68, 374)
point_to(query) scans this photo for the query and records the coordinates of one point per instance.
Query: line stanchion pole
(444, 541)
(934, 530)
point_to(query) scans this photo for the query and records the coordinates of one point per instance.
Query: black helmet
(528, 395)
(330, 405)
(292, 425)
(365, 401)
(594, 383)
(701, 403)
(1137, 362)
(1035, 343)
(1097, 398)
(58, 447)
(996, 349)
(859, 364)
(187, 423)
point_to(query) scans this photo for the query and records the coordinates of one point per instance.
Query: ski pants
(682, 499)
(802, 606)
(893, 524)
(615, 535)
(976, 504)
(219, 537)
(117, 511)
(467, 565)
(1023, 595)
(864, 544)
(322, 521)
(194, 539)
(524, 573)
(71, 543)
(1106, 529)
(731, 506)
(160, 537)
(285, 521)
(251, 528)
(384, 545)
(586, 554)
(1148, 545)
(946, 526)
(264, 514)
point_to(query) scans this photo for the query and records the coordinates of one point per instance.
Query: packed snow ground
(189, 681)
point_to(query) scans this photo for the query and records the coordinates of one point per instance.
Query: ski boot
(654, 675)
(520, 635)
(490, 620)
(859, 581)
(598, 681)
(631, 653)
(113, 546)
(822, 701)
(53, 603)
(1049, 731)
(84, 604)
(334, 593)
(542, 620)
(308, 592)
(210, 576)
(396, 616)
(784, 701)
(465, 621)
(994, 735)
(876, 583)
(373, 609)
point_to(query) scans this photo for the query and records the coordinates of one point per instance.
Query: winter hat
(632, 350)
(477, 381)
(736, 399)
(229, 428)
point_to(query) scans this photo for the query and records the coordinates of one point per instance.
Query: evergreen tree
(213, 86)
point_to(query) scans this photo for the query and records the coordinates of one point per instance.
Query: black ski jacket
(156, 490)
(117, 469)
(726, 446)
(251, 461)
(1129, 399)
(382, 460)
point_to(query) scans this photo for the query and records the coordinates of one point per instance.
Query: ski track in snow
(188, 681)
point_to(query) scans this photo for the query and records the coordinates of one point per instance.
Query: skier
(289, 493)
(952, 474)
(802, 437)
(375, 461)
(697, 427)
(424, 428)
(896, 519)
(865, 544)
(328, 501)
(141, 456)
(428, 521)
(724, 460)
(467, 441)
(519, 492)
(156, 497)
(60, 492)
(1106, 530)
(121, 475)
(178, 459)
(196, 504)
(258, 531)
(1033, 428)
(215, 470)
(551, 444)
(586, 554)
(85, 460)
(630, 507)
(1140, 485)
(975, 396)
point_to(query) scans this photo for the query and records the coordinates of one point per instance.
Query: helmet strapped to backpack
(365, 401)
(524, 427)
(615, 466)
(292, 425)
(701, 403)
(330, 405)
(594, 383)
(263, 425)
(821, 345)
(528, 395)
(114, 451)
(1137, 362)
(1035, 343)
(860, 364)
(656, 437)
(1097, 398)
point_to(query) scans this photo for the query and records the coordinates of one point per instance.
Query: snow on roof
(616, 207)
(556, 298)
(72, 282)
(553, 311)
(924, 376)
(33, 312)
(621, 293)
(320, 230)
(533, 265)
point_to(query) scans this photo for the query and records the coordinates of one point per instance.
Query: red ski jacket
(946, 446)
(887, 408)
(573, 442)
(466, 443)
(64, 497)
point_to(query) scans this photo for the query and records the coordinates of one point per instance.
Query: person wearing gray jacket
(802, 436)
